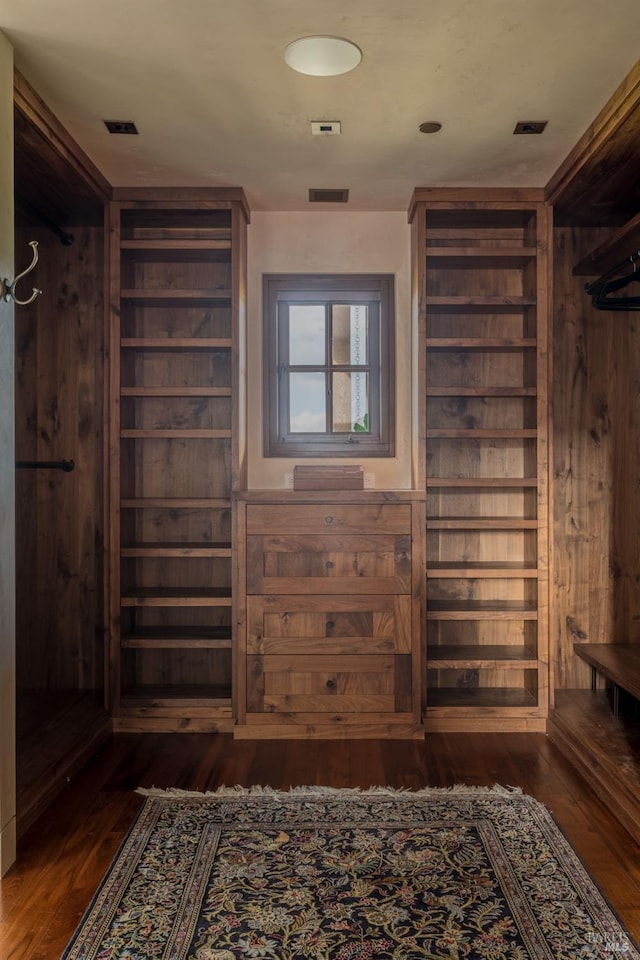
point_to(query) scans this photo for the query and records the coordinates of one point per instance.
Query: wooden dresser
(331, 601)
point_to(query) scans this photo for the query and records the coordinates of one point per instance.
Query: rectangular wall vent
(120, 126)
(328, 196)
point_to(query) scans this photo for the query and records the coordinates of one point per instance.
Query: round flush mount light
(431, 126)
(322, 56)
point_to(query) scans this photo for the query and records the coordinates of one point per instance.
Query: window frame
(282, 289)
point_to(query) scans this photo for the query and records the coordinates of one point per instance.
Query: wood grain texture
(618, 662)
(53, 173)
(329, 564)
(604, 749)
(602, 167)
(484, 276)
(59, 515)
(63, 857)
(596, 464)
(333, 616)
(178, 259)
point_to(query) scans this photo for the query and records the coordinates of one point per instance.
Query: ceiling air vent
(120, 126)
(328, 196)
(330, 128)
(530, 126)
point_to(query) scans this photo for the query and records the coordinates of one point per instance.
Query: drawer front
(293, 562)
(328, 625)
(316, 518)
(325, 684)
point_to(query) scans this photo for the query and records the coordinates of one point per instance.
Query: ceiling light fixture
(322, 56)
(430, 126)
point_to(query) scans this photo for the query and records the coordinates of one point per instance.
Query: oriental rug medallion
(315, 874)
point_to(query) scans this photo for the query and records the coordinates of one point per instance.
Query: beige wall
(7, 475)
(330, 242)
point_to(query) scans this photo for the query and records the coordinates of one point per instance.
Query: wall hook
(8, 289)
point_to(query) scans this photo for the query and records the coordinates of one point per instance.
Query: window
(329, 364)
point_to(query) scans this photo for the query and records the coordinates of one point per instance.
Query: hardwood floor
(64, 855)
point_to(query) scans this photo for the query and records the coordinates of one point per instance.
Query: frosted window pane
(351, 403)
(349, 333)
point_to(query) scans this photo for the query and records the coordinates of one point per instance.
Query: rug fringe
(172, 793)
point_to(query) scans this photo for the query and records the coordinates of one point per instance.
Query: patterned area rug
(318, 874)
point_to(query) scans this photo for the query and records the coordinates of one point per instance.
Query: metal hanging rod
(66, 465)
(8, 288)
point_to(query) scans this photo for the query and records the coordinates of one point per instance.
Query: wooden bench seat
(618, 662)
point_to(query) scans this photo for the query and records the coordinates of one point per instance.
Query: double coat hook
(8, 289)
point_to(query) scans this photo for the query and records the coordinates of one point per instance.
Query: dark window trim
(277, 289)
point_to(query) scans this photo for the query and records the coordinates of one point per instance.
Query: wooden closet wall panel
(59, 391)
(597, 463)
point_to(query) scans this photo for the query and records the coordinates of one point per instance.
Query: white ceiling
(215, 104)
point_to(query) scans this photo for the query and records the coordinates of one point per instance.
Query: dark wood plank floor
(64, 855)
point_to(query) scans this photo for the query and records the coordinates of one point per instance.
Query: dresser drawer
(315, 518)
(323, 684)
(328, 625)
(306, 549)
(351, 563)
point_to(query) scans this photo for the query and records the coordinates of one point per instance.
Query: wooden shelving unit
(481, 270)
(177, 285)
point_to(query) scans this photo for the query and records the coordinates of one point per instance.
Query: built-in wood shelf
(444, 569)
(184, 250)
(176, 343)
(478, 698)
(477, 306)
(479, 433)
(481, 268)
(604, 748)
(183, 433)
(177, 597)
(484, 391)
(188, 700)
(178, 638)
(176, 235)
(484, 482)
(480, 523)
(480, 610)
(460, 302)
(473, 257)
(618, 662)
(485, 657)
(177, 550)
(480, 343)
(177, 290)
(175, 391)
(175, 503)
(170, 295)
